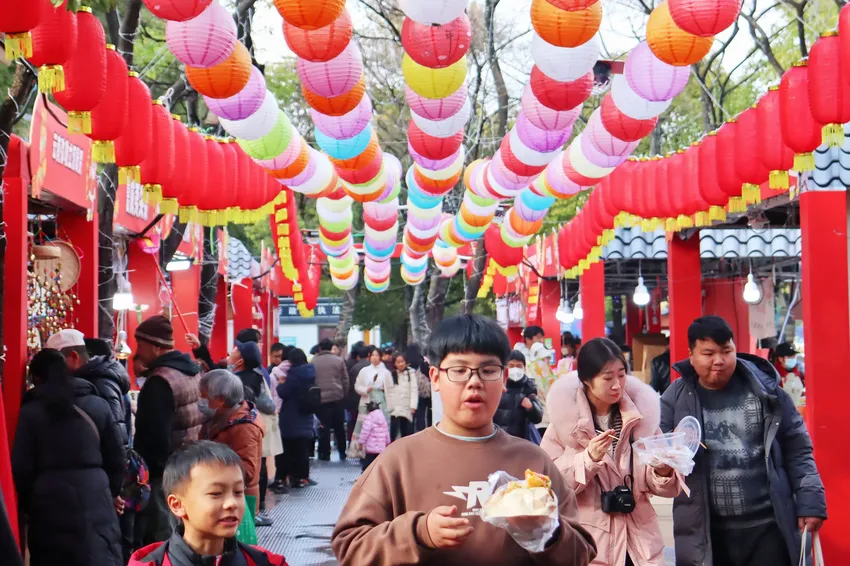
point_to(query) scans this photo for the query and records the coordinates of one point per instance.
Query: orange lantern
(672, 44)
(296, 167)
(53, 41)
(322, 44)
(362, 160)
(108, 117)
(225, 79)
(565, 28)
(309, 14)
(134, 144)
(17, 18)
(336, 105)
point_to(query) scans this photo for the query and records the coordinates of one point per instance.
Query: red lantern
(694, 203)
(829, 98)
(621, 126)
(196, 163)
(214, 197)
(85, 73)
(800, 131)
(498, 250)
(658, 184)
(676, 186)
(705, 18)
(109, 116)
(181, 177)
(844, 35)
(432, 147)
(177, 10)
(709, 186)
(17, 18)
(158, 167)
(747, 163)
(53, 41)
(514, 164)
(363, 175)
(727, 173)
(773, 153)
(437, 47)
(322, 44)
(134, 144)
(575, 176)
(557, 95)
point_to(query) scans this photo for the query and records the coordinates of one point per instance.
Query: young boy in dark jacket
(204, 488)
(420, 501)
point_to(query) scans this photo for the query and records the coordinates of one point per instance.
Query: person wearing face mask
(519, 409)
(785, 362)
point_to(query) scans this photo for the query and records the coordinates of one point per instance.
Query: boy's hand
(193, 341)
(445, 530)
(119, 505)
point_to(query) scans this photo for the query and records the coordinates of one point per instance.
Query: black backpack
(311, 400)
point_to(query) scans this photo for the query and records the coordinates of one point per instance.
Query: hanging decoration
(53, 41)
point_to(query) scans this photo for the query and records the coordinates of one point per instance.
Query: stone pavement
(304, 520)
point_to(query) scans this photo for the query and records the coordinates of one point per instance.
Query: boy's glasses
(460, 374)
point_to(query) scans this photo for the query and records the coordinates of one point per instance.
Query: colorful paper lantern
(132, 147)
(705, 18)
(632, 104)
(110, 114)
(336, 105)
(829, 98)
(558, 95)
(545, 118)
(257, 124)
(620, 125)
(564, 64)
(437, 47)
(565, 28)
(709, 187)
(800, 131)
(321, 44)
(16, 21)
(773, 153)
(272, 144)
(225, 79)
(85, 73)
(539, 139)
(53, 41)
(444, 128)
(242, 104)
(177, 10)
(436, 108)
(651, 78)
(310, 14)
(430, 146)
(439, 12)
(672, 44)
(347, 125)
(203, 41)
(334, 77)
(747, 163)
(433, 83)
(343, 149)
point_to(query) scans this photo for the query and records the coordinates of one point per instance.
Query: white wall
(305, 335)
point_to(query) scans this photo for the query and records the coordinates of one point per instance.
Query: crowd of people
(182, 477)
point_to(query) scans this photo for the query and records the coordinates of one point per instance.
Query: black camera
(618, 500)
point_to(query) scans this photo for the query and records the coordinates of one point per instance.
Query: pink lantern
(436, 47)
(544, 117)
(288, 157)
(651, 78)
(432, 164)
(603, 141)
(444, 128)
(176, 10)
(539, 139)
(345, 126)
(436, 108)
(597, 157)
(204, 41)
(335, 77)
(242, 104)
(527, 155)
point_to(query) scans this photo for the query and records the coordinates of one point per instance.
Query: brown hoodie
(384, 521)
(242, 429)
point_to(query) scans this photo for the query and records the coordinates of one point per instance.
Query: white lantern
(431, 12)
(629, 103)
(564, 64)
(528, 155)
(257, 124)
(581, 164)
(444, 128)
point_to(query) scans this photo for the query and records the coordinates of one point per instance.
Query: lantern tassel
(129, 174)
(737, 205)
(169, 206)
(779, 180)
(804, 162)
(103, 151)
(684, 221)
(153, 194)
(51, 78)
(670, 225)
(18, 45)
(751, 193)
(833, 135)
(716, 213)
(702, 218)
(79, 122)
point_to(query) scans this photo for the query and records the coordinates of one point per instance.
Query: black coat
(252, 381)
(511, 416)
(66, 479)
(112, 383)
(295, 421)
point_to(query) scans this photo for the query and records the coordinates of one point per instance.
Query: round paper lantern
(705, 18)
(157, 169)
(747, 162)
(242, 104)
(85, 76)
(433, 83)
(600, 158)
(526, 154)
(829, 98)
(336, 105)
(361, 160)
(560, 95)
(564, 64)
(773, 153)
(843, 34)
(344, 148)
(298, 165)
(444, 128)
(631, 104)
(439, 12)
(431, 147)
(800, 131)
(53, 41)
(670, 43)
(709, 187)
(603, 141)
(436, 108)
(347, 125)
(110, 114)
(539, 139)
(272, 144)
(177, 10)
(334, 77)
(545, 118)
(515, 164)
(225, 79)
(322, 44)
(565, 28)
(727, 173)
(622, 126)
(310, 14)
(431, 164)
(203, 41)
(651, 78)
(132, 147)
(436, 47)
(16, 21)
(581, 164)
(256, 125)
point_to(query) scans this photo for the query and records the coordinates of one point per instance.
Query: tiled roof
(833, 165)
(632, 243)
(240, 264)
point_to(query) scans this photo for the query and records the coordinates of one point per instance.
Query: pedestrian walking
(359, 359)
(519, 409)
(332, 380)
(296, 418)
(423, 418)
(370, 386)
(375, 434)
(402, 393)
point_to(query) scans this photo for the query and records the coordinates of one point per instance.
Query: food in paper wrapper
(527, 509)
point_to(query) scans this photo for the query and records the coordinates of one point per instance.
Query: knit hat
(157, 330)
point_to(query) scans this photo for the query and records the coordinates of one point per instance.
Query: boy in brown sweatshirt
(420, 501)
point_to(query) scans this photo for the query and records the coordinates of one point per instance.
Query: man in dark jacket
(755, 486)
(332, 379)
(296, 418)
(519, 405)
(245, 362)
(167, 416)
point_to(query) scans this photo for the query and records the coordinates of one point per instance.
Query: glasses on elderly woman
(462, 374)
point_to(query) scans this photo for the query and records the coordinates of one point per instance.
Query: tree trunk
(106, 282)
(418, 321)
(479, 264)
(436, 307)
(171, 243)
(21, 85)
(346, 318)
(496, 69)
(209, 286)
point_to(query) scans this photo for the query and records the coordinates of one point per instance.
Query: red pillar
(218, 341)
(185, 286)
(685, 291)
(826, 317)
(144, 283)
(242, 297)
(550, 301)
(82, 233)
(725, 298)
(592, 286)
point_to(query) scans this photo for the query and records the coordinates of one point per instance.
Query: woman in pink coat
(596, 413)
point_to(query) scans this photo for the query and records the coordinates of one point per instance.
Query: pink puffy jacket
(566, 440)
(375, 434)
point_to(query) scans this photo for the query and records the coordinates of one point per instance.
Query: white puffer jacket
(404, 396)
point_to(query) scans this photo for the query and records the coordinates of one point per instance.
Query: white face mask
(516, 374)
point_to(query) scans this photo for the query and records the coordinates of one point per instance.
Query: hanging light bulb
(565, 313)
(641, 296)
(122, 301)
(578, 312)
(122, 349)
(752, 292)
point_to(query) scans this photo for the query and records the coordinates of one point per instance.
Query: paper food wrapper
(527, 509)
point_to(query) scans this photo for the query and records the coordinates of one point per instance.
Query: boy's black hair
(517, 356)
(372, 406)
(249, 335)
(277, 347)
(296, 357)
(314, 350)
(711, 328)
(326, 345)
(97, 347)
(595, 355)
(532, 331)
(178, 469)
(48, 365)
(468, 333)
